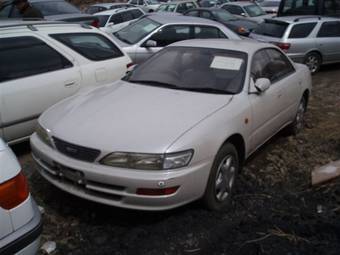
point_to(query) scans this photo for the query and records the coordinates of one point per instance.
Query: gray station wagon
(310, 40)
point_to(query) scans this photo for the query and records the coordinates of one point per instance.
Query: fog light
(156, 192)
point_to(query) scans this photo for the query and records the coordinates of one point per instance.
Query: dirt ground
(275, 210)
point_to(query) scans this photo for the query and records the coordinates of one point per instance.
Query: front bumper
(117, 186)
(25, 240)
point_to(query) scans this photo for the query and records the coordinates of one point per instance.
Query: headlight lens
(43, 135)
(144, 161)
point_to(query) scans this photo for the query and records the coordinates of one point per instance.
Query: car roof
(114, 11)
(165, 18)
(178, 2)
(303, 18)
(243, 3)
(247, 46)
(108, 4)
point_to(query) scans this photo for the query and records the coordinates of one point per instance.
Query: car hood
(130, 117)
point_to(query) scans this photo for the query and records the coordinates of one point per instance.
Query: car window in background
(254, 10)
(92, 46)
(206, 14)
(330, 29)
(127, 15)
(302, 30)
(171, 34)
(233, 9)
(280, 66)
(331, 7)
(270, 28)
(136, 13)
(152, 2)
(55, 7)
(270, 4)
(299, 7)
(203, 70)
(206, 32)
(116, 18)
(102, 19)
(136, 31)
(5, 11)
(224, 16)
(26, 56)
(192, 13)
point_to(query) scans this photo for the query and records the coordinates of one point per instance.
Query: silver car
(310, 40)
(150, 34)
(175, 129)
(20, 219)
(248, 10)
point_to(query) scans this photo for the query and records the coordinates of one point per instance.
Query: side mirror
(243, 14)
(262, 84)
(150, 43)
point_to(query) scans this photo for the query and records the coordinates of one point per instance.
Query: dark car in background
(58, 10)
(238, 25)
(316, 7)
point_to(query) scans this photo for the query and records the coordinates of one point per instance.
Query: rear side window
(92, 46)
(136, 13)
(206, 32)
(330, 29)
(273, 29)
(302, 30)
(26, 56)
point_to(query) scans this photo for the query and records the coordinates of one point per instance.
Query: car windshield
(102, 19)
(167, 7)
(196, 69)
(270, 4)
(55, 8)
(254, 10)
(152, 1)
(137, 31)
(224, 16)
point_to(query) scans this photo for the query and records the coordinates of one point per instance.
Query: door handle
(69, 83)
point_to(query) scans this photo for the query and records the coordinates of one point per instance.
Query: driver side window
(171, 34)
(260, 67)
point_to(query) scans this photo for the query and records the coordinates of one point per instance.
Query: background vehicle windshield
(254, 10)
(152, 2)
(55, 8)
(136, 31)
(167, 7)
(102, 19)
(224, 16)
(270, 4)
(273, 29)
(194, 69)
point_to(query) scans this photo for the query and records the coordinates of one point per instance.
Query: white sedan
(175, 129)
(20, 220)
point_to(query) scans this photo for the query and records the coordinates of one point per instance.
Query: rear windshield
(55, 8)
(273, 29)
(102, 19)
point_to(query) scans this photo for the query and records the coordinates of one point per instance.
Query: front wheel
(299, 122)
(222, 178)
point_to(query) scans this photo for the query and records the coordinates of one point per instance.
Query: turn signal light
(13, 192)
(157, 192)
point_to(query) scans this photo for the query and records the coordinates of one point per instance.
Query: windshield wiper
(209, 90)
(156, 84)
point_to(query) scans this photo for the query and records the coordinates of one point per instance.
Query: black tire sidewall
(319, 60)
(209, 197)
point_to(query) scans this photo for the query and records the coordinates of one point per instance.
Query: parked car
(177, 6)
(310, 40)
(44, 62)
(113, 20)
(146, 5)
(180, 125)
(100, 7)
(240, 26)
(270, 6)
(248, 10)
(150, 34)
(212, 3)
(20, 218)
(54, 10)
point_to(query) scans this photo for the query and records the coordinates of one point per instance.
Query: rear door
(328, 41)
(33, 76)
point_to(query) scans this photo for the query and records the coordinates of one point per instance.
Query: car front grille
(76, 151)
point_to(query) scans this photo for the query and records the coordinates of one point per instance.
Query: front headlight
(144, 161)
(43, 135)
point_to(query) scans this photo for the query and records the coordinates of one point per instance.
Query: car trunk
(270, 31)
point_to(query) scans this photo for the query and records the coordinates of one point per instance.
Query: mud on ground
(275, 210)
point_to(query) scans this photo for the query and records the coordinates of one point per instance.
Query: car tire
(313, 61)
(222, 177)
(298, 123)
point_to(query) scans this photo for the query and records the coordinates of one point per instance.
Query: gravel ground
(275, 210)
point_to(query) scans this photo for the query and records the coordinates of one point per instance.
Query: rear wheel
(222, 178)
(313, 61)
